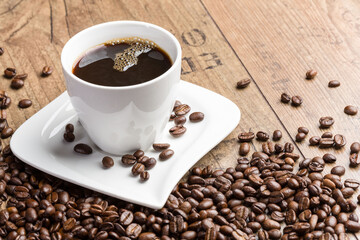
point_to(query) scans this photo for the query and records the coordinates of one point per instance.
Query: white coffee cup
(122, 119)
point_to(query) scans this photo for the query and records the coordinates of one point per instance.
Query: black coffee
(122, 62)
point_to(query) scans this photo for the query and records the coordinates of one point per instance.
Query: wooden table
(271, 42)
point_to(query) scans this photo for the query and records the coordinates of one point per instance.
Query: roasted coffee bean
(339, 141)
(151, 236)
(303, 130)
(138, 153)
(310, 74)
(46, 71)
(180, 120)
(262, 136)
(289, 147)
(315, 140)
(128, 159)
(16, 83)
(182, 109)
(354, 159)
(133, 230)
(107, 162)
(177, 131)
(22, 76)
(338, 170)
(25, 103)
(137, 169)
(352, 226)
(352, 183)
(300, 137)
(1, 51)
(246, 136)
(326, 122)
(243, 83)
(69, 137)
(6, 132)
(285, 98)
(166, 154)
(296, 101)
(333, 84)
(244, 148)
(83, 148)
(355, 147)
(277, 135)
(329, 158)
(350, 110)
(196, 117)
(149, 163)
(144, 176)
(3, 115)
(9, 72)
(327, 135)
(326, 143)
(270, 224)
(160, 146)
(69, 128)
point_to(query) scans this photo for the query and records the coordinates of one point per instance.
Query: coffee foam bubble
(129, 57)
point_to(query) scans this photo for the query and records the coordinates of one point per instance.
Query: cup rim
(152, 81)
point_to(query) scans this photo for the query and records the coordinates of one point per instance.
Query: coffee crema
(122, 62)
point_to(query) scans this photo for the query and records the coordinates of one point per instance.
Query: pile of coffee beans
(249, 201)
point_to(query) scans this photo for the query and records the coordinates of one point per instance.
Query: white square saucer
(39, 143)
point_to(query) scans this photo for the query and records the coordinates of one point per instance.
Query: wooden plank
(278, 41)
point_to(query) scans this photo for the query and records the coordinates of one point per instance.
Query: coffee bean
(333, 84)
(244, 148)
(69, 137)
(166, 154)
(315, 140)
(277, 135)
(16, 83)
(262, 136)
(352, 226)
(326, 143)
(196, 117)
(300, 137)
(329, 158)
(25, 103)
(326, 122)
(9, 72)
(46, 71)
(339, 141)
(269, 224)
(22, 76)
(1, 51)
(107, 162)
(338, 170)
(179, 120)
(355, 147)
(160, 146)
(151, 236)
(3, 115)
(350, 110)
(296, 101)
(6, 132)
(303, 130)
(137, 169)
(138, 153)
(149, 163)
(182, 109)
(285, 98)
(177, 131)
(243, 83)
(83, 148)
(246, 136)
(133, 230)
(352, 183)
(144, 176)
(69, 128)
(354, 159)
(128, 160)
(310, 74)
